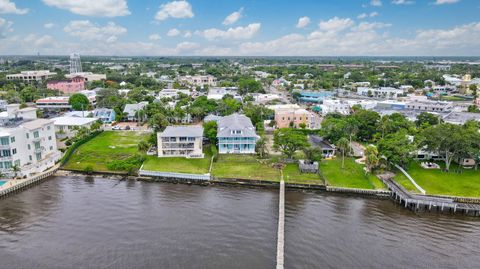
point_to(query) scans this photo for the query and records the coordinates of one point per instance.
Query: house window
(51, 147)
(36, 134)
(6, 153)
(7, 165)
(38, 156)
(50, 138)
(28, 146)
(12, 139)
(30, 157)
(28, 136)
(17, 162)
(48, 127)
(14, 151)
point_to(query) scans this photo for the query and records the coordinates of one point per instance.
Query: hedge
(72, 148)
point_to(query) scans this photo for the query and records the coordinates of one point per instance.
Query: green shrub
(130, 164)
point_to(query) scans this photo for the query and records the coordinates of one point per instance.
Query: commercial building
(87, 76)
(61, 102)
(383, 92)
(236, 134)
(181, 141)
(73, 85)
(296, 117)
(30, 76)
(335, 106)
(27, 144)
(430, 106)
(314, 96)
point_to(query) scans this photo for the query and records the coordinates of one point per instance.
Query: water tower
(75, 63)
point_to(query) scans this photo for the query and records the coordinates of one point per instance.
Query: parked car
(116, 128)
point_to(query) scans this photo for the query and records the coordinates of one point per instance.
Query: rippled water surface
(76, 222)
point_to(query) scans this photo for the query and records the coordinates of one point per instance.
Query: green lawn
(405, 182)
(291, 174)
(466, 183)
(243, 167)
(107, 146)
(178, 164)
(351, 176)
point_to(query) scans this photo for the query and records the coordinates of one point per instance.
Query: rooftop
(187, 131)
(72, 121)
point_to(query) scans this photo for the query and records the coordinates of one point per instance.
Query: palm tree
(261, 147)
(372, 160)
(343, 145)
(15, 169)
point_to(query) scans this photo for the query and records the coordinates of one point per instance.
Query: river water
(78, 222)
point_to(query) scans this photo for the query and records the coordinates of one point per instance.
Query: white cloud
(49, 25)
(336, 24)
(239, 32)
(99, 8)
(365, 15)
(8, 7)
(154, 37)
(402, 2)
(86, 30)
(367, 26)
(5, 27)
(173, 32)
(183, 46)
(303, 21)
(443, 2)
(174, 9)
(233, 18)
(187, 34)
(376, 3)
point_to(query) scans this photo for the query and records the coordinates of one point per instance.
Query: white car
(116, 128)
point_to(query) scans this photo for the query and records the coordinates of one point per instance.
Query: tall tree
(397, 148)
(288, 141)
(343, 145)
(79, 102)
(372, 159)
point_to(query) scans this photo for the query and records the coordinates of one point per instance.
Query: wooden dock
(281, 227)
(418, 202)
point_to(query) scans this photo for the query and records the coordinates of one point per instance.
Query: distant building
(181, 141)
(26, 142)
(106, 115)
(262, 98)
(88, 76)
(328, 150)
(132, 109)
(217, 93)
(173, 93)
(430, 106)
(62, 102)
(3, 105)
(29, 76)
(438, 67)
(199, 80)
(295, 117)
(236, 134)
(73, 85)
(335, 106)
(314, 96)
(383, 92)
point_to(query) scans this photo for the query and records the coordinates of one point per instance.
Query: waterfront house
(181, 141)
(328, 150)
(236, 134)
(68, 126)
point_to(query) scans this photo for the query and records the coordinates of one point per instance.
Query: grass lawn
(405, 182)
(466, 183)
(243, 167)
(178, 164)
(291, 174)
(351, 176)
(107, 146)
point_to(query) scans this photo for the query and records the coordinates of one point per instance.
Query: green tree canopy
(288, 141)
(79, 102)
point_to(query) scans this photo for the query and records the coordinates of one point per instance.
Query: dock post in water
(281, 226)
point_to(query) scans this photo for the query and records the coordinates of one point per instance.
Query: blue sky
(243, 27)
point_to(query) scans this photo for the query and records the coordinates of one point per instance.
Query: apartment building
(31, 76)
(27, 144)
(430, 106)
(199, 80)
(181, 141)
(69, 86)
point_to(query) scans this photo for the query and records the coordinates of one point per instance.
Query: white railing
(148, 173)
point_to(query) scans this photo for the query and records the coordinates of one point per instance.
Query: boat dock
(424, 202)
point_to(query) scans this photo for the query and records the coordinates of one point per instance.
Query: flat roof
(73, 121)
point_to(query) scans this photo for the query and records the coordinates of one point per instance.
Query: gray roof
(235, 122)
(130, 109)
(187, 131)
(318, 141)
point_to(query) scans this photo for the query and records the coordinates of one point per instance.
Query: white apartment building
(181, 141)
(26, 142)
(29, 76)
(430, 106)
(68, 126)
(200, 80)
(383, 92)
(172, 93)
(335, 106)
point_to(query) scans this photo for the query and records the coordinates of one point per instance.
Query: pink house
(73, 85)
(477, 101)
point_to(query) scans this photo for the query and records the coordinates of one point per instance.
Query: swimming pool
(2, 182)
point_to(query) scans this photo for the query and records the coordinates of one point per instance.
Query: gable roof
(235, 122)
(130, 109)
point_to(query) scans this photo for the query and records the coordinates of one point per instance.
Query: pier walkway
(281, 226)
(417, 201)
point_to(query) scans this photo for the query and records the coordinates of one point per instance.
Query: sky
(241, 27)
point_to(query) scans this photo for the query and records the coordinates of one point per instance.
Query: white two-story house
(181, 141)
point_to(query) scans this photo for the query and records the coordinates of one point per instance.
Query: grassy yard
(405, 182)
(104, 148)
(351, 176)
(466, 183)
(291, 174)
(178, 164)
(243, 167)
